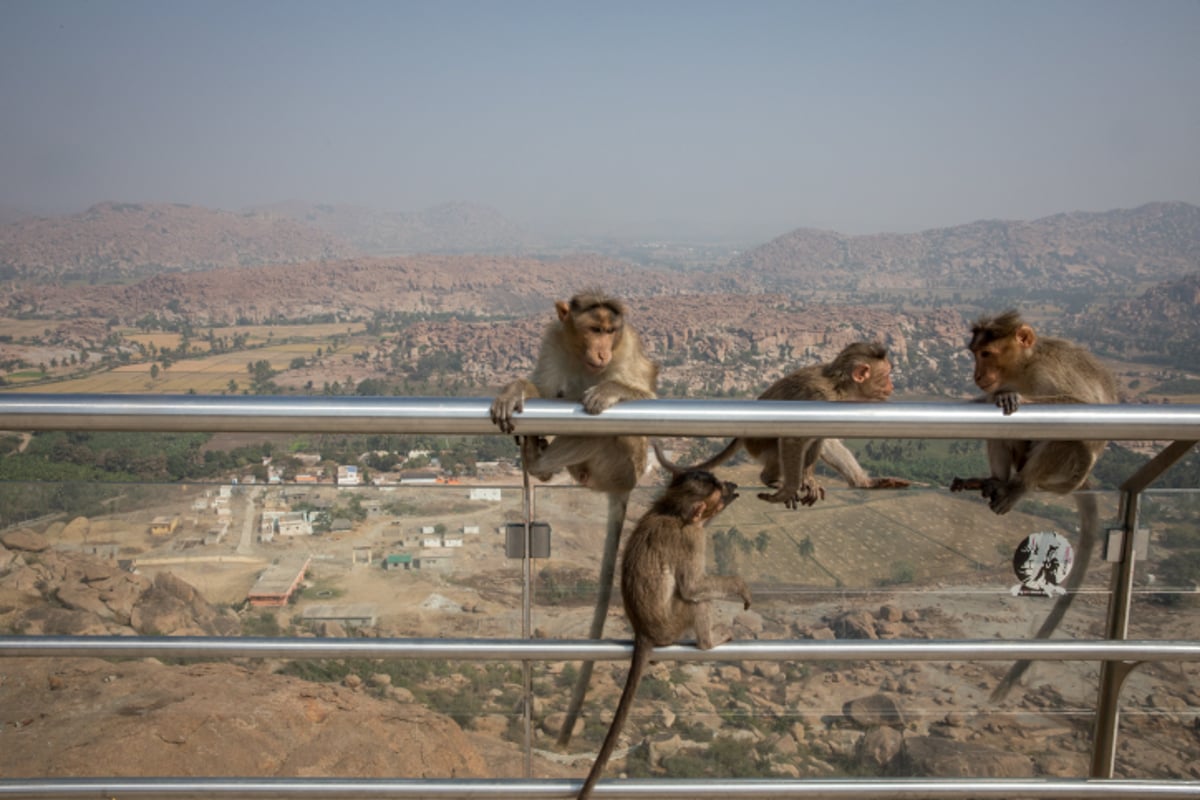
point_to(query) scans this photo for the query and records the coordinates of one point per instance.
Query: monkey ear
(563, 309)
(1025, 336)
(697, 512)
(861, 372)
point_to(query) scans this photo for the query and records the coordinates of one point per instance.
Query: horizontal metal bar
(445, 415)
(641, 789)
(597, 650)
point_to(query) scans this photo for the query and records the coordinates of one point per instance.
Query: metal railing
(1179, 425)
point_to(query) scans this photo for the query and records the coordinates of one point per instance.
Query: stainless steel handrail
(631, 789)
(445, 415)
(596, 650)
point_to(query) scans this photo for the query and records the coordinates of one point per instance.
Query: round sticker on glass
(1043, 562)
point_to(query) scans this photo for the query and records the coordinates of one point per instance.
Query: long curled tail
(618, 503)
(1089, 533)
(715, 461)
(642, 647)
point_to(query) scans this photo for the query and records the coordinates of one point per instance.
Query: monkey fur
(588, 355)
(1014, 366)
(664, 584)
(860, 372)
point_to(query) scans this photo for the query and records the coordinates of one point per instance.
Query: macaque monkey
(1014, 366)
(588, 355)
(664, 584)
(861, 372)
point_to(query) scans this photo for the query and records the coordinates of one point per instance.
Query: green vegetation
(1179, 386)
(722, 757)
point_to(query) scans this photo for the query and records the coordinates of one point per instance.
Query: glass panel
(913, 564)
(1159, 737)
(920, 563)
(209, 559)
(426, 561)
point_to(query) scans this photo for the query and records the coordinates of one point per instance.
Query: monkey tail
(715, 461)
(618, 502)
(642, 647)
(1089, 533)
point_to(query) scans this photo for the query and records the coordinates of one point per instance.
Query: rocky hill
(115, 241)
(1162, 321)
(467, 285)
(1114, 249)
(85, 717)
(446, 228)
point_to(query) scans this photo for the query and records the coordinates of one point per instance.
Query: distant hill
(1076, 251)
(113, 242)
(1161, 324)
(446, 228)
(348, 288)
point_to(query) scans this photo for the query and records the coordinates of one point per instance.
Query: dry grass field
(279, 345)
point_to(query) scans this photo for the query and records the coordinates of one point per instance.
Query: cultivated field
(279, 345)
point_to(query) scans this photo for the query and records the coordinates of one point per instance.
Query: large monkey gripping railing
(1179, 426)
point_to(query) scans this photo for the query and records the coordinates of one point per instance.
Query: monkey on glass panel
(665, 586)
(860, 372)
(1013, 367)
(590, 355)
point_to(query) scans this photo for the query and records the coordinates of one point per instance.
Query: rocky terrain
(1162, 321)
(1111, 251)
(93, 717)
(351, 289)
(1090, 251)
(85, 717)
(1126, 281)
(115, 241)
(446, 228)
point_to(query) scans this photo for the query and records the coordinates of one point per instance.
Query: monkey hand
(744, 591)
(807, 495)
(890, 483)
(1007, 401)
(810, 493)
(789, 497)
(503, 407)
(966, 484)
(1001, 495)
(601, 396)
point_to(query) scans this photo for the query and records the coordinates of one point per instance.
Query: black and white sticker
(1042, 563)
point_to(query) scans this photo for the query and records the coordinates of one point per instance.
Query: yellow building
(163, 526)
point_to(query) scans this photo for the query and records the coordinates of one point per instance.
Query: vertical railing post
(1113, 673)
(527, 615)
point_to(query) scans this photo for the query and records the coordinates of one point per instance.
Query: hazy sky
(724, 117)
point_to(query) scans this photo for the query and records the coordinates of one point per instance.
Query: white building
(348, 475)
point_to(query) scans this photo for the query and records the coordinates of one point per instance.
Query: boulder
(946, 758)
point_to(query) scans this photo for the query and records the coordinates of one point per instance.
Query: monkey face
(872, 380)
(878, 385)
(991, 361)
(1000, 354)
(597, 332)
(724, 494)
